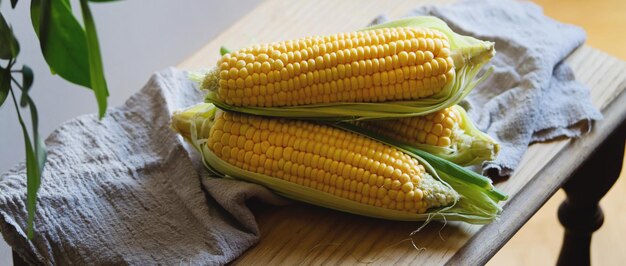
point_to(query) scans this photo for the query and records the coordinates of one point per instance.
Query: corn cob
(448, 133)
(319, 164)
(367, 66)
(419, 63)
(324, 158)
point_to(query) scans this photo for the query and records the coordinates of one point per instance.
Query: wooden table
(586, 168)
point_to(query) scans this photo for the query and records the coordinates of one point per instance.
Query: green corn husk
(475, 200)
(441, 164)
(470, 146)
(469, 55)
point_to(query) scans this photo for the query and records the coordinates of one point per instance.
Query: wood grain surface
(304, 234)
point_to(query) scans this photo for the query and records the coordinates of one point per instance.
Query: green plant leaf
(9, 47)
(32, 182)
(27, 82)
(33, 173)
(35, 150)
(40, 148)
(5, 84)
(39, 155)
(62, 40)
(96, 71)
(71, 51)
(13, 3)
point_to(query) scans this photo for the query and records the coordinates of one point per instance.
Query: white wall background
(137, 38)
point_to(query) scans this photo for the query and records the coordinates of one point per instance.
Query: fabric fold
(124, 190)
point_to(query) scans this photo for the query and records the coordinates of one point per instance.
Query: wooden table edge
(482, 245)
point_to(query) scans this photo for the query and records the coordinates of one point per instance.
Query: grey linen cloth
(124, 190)
(127, 190)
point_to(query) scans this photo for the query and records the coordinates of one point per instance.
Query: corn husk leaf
(469, 55)
(474, 204)
(439, 163)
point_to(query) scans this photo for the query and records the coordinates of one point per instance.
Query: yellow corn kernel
(435, 129)
(338, 68)
(321, 157)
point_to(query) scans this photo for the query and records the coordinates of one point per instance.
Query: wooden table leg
(580, 213)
